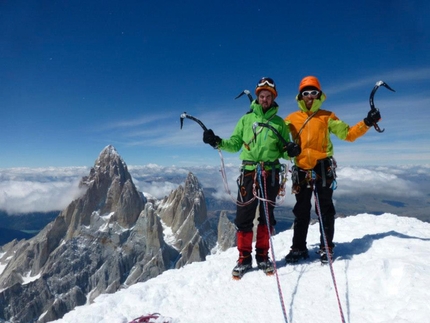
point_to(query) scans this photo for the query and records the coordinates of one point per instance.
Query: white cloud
(30, 190)
(24, 190)
(399, 75)
(370, 181)
(26, 196)
(156, 189)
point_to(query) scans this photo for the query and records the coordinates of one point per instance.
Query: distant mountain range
(109, 238)
(24, 226)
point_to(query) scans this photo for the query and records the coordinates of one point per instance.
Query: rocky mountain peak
(109, 161)
(108, 239)
(109, 190)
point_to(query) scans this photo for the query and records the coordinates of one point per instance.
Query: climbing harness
(278, 173)
(372, 105)
(327, 168)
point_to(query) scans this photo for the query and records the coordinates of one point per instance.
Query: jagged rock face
(81, 250)
(185, 212)
(226, 232)
(107, 239)
(109, 189)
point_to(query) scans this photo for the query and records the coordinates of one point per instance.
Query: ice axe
(247, 93)
(185, 115)
(372, 105)
(285, 143)
(276, 132)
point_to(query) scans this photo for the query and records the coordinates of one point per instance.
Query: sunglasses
(266, 81)
(311, 93)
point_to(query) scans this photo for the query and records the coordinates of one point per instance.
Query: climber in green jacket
(258, 135)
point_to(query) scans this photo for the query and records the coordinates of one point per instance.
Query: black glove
(372, 117)
(292, 149)
(210, 138)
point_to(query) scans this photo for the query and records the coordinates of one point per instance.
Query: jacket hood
(315, 105)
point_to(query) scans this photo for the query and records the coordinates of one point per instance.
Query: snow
(381, 272)
(28, 278)
(3, 266)
(169, 236)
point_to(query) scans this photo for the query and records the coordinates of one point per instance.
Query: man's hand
(372, 117)
(292, 149)
(210, 138)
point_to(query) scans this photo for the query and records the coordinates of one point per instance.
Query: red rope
(269, 226)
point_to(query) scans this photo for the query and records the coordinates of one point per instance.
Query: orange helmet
(266, 83)
(309, 81)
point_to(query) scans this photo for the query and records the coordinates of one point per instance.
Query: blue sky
(77, 76)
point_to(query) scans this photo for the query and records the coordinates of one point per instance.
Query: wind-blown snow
(381, 270)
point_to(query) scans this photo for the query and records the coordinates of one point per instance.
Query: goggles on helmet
(266, 81)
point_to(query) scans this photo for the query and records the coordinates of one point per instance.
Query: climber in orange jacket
(311, 127)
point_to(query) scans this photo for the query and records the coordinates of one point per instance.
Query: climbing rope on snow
(329, 256)
(261, 173)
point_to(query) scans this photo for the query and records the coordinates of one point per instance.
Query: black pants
(245, 214)
(302, 208)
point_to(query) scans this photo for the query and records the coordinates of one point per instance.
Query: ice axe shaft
(372, 104)
(276, 132)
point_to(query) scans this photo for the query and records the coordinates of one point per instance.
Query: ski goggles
(266, 81)
(310, 93)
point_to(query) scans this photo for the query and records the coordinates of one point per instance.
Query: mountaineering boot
(262, 245)
(324, 257)
(295, 255)
(264, 263)
(243, 265)
(244, 245)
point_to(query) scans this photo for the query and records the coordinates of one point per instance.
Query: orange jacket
(313, 136)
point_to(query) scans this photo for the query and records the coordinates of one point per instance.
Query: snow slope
(381, 272)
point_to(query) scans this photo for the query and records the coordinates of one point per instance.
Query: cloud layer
(24, 190)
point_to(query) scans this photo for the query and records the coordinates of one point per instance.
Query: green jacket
(266, 146)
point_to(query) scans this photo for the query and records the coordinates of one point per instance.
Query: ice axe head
(382, 83)
(247, 93)
(183, 116)
(372, 104)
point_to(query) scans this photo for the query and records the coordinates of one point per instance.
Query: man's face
(265, 98)
(309, 94)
